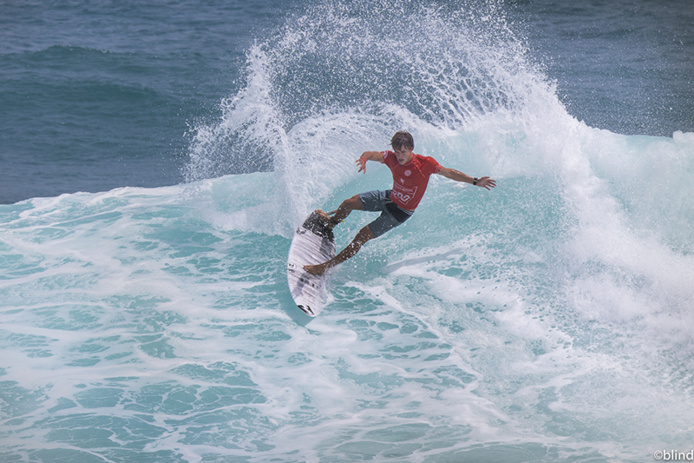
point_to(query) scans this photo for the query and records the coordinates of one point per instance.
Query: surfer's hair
(402, 140)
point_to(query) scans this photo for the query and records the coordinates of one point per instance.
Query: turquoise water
(548, 320)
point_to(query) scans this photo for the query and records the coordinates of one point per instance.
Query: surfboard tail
(318, 225)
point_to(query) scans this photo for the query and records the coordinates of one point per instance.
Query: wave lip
(547, 319)
(349, 64)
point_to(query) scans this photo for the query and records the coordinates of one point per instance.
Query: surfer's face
(403, 155)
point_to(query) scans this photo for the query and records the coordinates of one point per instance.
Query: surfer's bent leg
(345, 208)
(371, 201)
(364, 235)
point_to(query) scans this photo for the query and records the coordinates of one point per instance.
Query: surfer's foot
(317, 270)
(323, 214)
(330, 221)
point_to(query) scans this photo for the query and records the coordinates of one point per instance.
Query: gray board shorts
(391, 215)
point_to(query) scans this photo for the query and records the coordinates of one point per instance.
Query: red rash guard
(410, 181)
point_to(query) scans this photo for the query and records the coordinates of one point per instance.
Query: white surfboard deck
(313, 243)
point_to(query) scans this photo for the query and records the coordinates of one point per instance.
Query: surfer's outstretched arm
(364, 235)
(458, 176)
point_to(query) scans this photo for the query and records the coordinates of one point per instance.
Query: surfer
(411, 174)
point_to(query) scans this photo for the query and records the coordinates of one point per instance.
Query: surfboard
(313, 243)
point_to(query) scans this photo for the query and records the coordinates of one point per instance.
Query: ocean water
(156, 159)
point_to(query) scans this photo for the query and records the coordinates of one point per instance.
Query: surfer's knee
(353, 203)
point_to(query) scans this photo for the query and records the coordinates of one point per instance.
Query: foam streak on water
(545, 321)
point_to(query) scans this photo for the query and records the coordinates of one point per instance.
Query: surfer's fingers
(361, 162)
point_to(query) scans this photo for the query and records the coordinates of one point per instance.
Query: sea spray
(567, 247)
(547, 320)
(328, 86)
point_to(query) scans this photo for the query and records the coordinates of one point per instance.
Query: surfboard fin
(307, 310)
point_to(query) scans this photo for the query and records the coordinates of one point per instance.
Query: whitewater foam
(546, 320)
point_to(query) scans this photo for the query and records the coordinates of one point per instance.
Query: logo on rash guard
(403, 194)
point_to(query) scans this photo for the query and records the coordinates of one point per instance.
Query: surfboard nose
(307, 310)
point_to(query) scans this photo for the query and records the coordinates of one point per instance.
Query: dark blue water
(620, 65)
(148, 319)
(104, 94)
(96, 95)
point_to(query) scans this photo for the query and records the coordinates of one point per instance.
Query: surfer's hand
(361, 162)
(486, 182)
